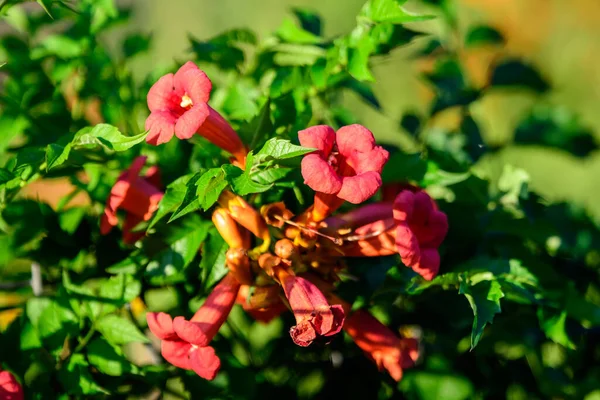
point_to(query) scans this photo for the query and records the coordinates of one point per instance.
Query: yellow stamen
(186, 101)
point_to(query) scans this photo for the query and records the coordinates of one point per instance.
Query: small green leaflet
(484, 299)
(172, 199)
(104, 135)
(108, 359)
(209, 187)
(213, 259)
(118, 330)
(389, 11)
(554, 326)
(281, 149)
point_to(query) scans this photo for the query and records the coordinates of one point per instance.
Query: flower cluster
(277, 260)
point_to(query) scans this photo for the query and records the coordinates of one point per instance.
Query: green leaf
(402, 167)
(389, 11)
(259, 127)
(109, 136)
(213, 259)
(290, 32)
(106, 358)
(5, 176)
(57, 154)
(118, 330)
(60, 46)
(358, 59)
(281, 149)
(240, 181)
(45, 6)
(484, 299)
(190, 202)
(209, 187)
(135, 44)
(310, 21)
(76, 378)
(56, 323)
(483, 35)
(554, 326)
(426, 385)
(173, 197)
(169, 265)
(515, 73)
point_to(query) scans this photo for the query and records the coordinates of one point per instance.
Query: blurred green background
(559, 37)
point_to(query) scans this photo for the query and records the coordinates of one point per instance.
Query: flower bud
(239, 265)
(286, 249)
(234, 235)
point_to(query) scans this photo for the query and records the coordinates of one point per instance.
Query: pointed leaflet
(484, 299)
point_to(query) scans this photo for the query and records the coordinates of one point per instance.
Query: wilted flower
(9, 387)
(138, 196)
(346, 166)
(185, 344)
(179, 106)
(315, 318)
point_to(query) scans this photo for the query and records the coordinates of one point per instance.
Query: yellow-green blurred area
(559, 37)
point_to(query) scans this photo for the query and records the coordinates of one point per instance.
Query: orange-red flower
(420, 230)
(380, 344)
(9, 387)
(346, 166)
(179, 106)
(138, 196)
(315, 317)
(185, 344)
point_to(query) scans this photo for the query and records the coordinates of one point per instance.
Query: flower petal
(160, 95)
(161, 325)
(153, 177)
(407, 244)
(304, 333)
(423, 206)
(428, 265)
(9, 387)
(403, 206)
(320, 137)
(177, 353)
(133, 172)
(191, 120)
(131, 221)
(356, 189)
(339, 316)
(116, 197)
(205, 362)
(161, 125)
(352, 138)
(194, 82)
(371, 160)
(191, 332)
(319, 175)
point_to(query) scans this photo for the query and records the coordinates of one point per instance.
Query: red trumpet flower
(346, 166)
(139, 196)
(380, 344)
(9, 387)
(185, 344)
(179, 106)
(420, 230)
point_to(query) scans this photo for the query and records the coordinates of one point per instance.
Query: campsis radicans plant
(278, 260)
